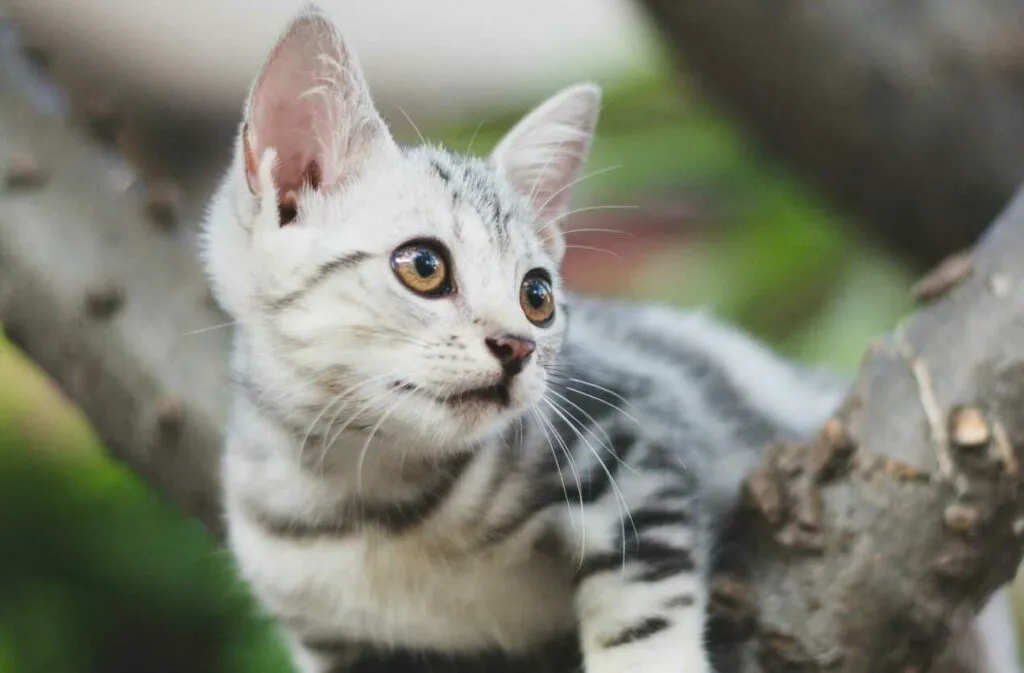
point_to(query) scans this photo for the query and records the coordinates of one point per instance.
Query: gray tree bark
(872, 543)
(863, 549)
(907, 114)
(103, 296)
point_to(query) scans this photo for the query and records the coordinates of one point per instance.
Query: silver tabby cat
(433, 448)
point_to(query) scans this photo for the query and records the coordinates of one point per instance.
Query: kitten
(435, 453)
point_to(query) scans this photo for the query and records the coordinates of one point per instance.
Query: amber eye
(422, 268)
(537, 299)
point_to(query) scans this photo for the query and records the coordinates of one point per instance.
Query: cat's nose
(512, 351)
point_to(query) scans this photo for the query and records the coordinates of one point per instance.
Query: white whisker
(607, 442)
(574, 183)
(619, 497)
(469, 147)
(587, 209)
(211, 328)
(597, 230)
(540, 176)
(369, 440)
(561, 477)
(347, 393)
(602, 389)
(605, 402)
(579, 486)
(593, 249)
(316, 419)
(412, 124)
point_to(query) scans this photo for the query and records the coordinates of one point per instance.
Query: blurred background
(689, 203)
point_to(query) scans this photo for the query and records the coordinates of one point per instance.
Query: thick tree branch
(906, 113)
(861, 553)
(102, 298)
(899, 521)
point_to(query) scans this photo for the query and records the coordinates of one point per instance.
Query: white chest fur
(403, 592)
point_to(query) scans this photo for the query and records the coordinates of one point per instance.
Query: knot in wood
(25, 172)
(170, 416)
(104, 299)
(163, 203)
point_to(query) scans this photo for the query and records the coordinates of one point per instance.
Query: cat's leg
(641, 593)
(642, 608)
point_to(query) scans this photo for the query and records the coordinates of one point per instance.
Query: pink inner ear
(542, 155)
(311, 105)
(291, 106)
(290, 127)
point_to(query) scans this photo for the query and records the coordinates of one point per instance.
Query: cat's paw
(654, 660)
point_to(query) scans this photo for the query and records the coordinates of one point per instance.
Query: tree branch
(899, 521)
(102, 299)
(858, 552)
(905, 113)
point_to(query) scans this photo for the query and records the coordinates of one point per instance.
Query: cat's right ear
(312, 107)
(542, 155)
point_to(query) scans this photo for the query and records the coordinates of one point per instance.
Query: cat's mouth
(497, 393)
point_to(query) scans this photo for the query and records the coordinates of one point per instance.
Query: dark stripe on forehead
(441, 170)
(324, 271)
(472, 181)
(497, 218)
(480, 188)
(456, 220)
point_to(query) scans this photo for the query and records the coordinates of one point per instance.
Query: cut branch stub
(968, 428)
(25, 172)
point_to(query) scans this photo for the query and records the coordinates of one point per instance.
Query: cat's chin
(498, 394)
(468, 417)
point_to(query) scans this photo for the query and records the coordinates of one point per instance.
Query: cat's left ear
(311, 105)
(541, 157)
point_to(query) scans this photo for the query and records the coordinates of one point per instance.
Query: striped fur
(457, 558)
(376, 510)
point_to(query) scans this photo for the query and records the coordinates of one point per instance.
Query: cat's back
(691, 375)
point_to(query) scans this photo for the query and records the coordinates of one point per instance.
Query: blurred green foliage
(98, 574)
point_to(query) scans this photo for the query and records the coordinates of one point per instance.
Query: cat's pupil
(536, 293)
(425, 263)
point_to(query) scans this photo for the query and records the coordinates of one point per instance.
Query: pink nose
(511, 351)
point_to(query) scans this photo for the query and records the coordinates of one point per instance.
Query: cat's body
(432, 447)
(494, 562)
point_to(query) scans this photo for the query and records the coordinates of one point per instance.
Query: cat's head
(416, 291)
